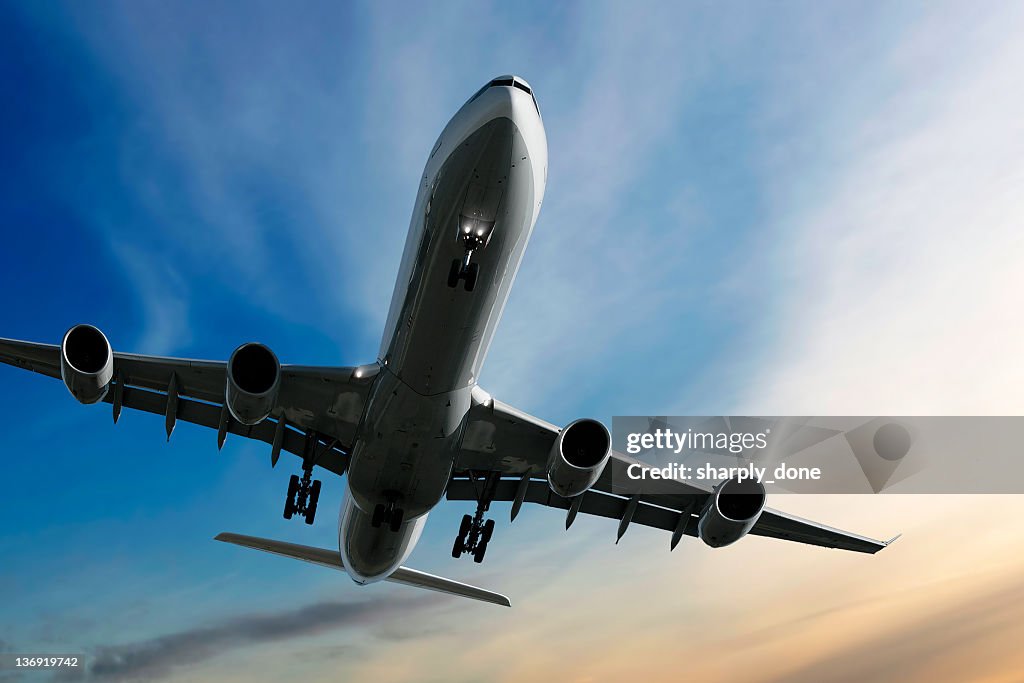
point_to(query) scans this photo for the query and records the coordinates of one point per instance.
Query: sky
(752, 208)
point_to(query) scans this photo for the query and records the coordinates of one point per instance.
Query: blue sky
(765, 207)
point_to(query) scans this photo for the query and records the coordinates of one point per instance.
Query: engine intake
(578, 457)
(254, 379)
(86, 363)
(733, 510)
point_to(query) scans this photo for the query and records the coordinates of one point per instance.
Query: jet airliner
(415, 427)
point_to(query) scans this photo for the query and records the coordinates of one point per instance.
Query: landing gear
(387, 513)
(303, 495)
(462, 269)
(474, 234)
(475, 532)
(304, 492)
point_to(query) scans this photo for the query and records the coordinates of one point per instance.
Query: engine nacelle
(86, 363)
(254, 380)
(731, 512)
(578, 457)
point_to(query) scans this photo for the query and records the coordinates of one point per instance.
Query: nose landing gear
(474, 233)
(475, 532)
(462, 269)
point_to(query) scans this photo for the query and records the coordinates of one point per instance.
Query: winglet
(892, 540)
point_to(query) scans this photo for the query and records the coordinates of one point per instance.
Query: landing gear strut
(388, 513)
(475, 531)
(304, 492)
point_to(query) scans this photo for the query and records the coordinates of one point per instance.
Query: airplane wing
(322, 406)
(514, 446)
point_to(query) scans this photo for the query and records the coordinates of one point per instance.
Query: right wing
(515, 446)
(321, 406)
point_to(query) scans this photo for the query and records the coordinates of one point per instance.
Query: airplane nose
(502, 100)
(508, 97)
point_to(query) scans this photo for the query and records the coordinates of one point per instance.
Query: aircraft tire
(395, 523)
(289, 503)
(314, 497)
(453, 273)
(378, 516)
(471, 273)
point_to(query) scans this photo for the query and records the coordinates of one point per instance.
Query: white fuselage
(490, 164)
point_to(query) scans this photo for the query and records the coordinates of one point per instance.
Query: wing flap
(332, 559)
(775, 524)
(209, 415)
(597, 503)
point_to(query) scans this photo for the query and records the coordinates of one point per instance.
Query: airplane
(415, 427)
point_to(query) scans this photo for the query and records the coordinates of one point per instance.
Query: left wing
(321, 406)
(514, 446)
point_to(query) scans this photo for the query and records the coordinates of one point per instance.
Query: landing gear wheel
(475, 531)
(314, 497)
(289, 502)
(485, 535)
(454, 273)
(395, 521)
(471, 272)
(378, 515)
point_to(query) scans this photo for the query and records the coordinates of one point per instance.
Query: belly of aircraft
(415, 415)
(443, 332)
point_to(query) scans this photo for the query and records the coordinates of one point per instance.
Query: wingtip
(893, 540)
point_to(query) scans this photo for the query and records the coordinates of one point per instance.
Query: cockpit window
(511, 83)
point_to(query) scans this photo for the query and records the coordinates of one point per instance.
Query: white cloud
(903, 279)
(598, 267)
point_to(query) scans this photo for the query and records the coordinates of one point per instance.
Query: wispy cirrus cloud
(163, 295)
(899, 279)
(970, 638)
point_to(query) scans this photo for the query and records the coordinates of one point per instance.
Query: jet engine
(86, 363)
(731, 512)
(578, 457)
(254, 379)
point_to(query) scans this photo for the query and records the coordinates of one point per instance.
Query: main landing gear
(303, 495)
(387, 513)
(463, 269)
(304, 492)
(475, 532)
